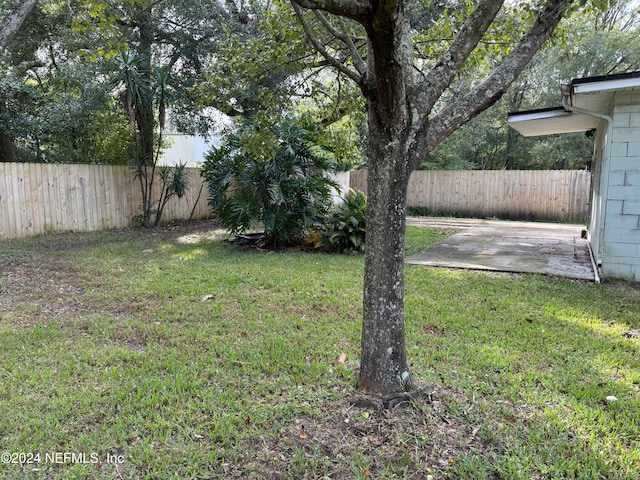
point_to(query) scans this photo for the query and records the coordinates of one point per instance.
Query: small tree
(139, 91)
(174, 183)
(408, 59)
(281, 186)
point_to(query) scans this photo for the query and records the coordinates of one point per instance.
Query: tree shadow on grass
(551, 349)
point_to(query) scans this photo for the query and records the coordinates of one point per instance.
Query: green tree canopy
(593, 43)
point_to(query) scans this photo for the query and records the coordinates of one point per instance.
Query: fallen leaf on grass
(303, 435)
(474, 432)
(342, 359)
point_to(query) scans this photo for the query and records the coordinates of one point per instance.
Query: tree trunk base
(423, 392)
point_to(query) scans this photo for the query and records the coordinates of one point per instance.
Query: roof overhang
(593, 94)
(548, 121)
(607, 83)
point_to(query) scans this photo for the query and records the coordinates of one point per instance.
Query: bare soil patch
(44, 276)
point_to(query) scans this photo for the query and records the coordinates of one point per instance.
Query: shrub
(282, 188)
(346, 227)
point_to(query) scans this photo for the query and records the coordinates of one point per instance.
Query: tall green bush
(281, 187)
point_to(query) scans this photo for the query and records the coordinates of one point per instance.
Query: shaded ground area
(527, 247)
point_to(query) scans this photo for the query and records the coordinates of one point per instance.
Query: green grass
(170, 355)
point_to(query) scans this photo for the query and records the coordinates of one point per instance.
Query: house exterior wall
(594, 223)
(189, 149)
(621, 235)
(180, 150)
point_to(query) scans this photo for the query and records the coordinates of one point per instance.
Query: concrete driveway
(529, 247)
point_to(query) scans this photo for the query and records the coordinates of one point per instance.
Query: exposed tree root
(421, 392)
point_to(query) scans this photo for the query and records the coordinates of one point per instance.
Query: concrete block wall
(621, 252)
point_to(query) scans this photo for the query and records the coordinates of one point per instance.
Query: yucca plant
(174, 183)
(139, 94)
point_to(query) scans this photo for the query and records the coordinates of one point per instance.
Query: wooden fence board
(556, 195)
(41, 198)
(22, 222)
(48, 199)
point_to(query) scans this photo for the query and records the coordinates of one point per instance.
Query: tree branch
(23, 67)
(493, 87)
(355, 76)
(450, 63)
(345, 38)
(13, 21)
(357, 10)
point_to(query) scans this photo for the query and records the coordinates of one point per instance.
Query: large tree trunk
(7, 152)
(383, 364)
(403, 128)
(383, 367)
(14, 20)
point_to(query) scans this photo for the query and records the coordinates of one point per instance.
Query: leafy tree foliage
(594, 43)
(58, 108)
(65, 63)
(242, 58)
(268, 72)
(280, 186)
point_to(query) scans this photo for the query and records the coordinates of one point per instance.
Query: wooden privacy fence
(38, 198)
(554, 195)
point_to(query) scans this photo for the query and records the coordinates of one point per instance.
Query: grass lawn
(169, 354)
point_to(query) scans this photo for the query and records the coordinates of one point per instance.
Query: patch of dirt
(416, 440)
(432, 330)
(49, 284)
(42, 277)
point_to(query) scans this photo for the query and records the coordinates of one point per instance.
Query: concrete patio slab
(522, 247)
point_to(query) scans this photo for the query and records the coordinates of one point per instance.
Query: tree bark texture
(385, 86)
(14, 20)
(7, 152)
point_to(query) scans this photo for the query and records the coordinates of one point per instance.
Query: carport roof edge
(589, 93)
